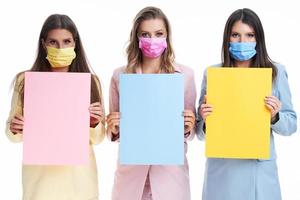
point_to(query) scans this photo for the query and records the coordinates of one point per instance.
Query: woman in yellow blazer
(59, 50)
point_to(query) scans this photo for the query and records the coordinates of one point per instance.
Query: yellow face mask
(60, 57)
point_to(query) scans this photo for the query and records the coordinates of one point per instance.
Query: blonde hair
(134, 54)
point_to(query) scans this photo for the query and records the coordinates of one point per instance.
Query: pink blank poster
(56, 118)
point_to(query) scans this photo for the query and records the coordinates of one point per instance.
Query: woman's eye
(52, 42)
(67, 41)
(251, 35)
(159, 34)
(145, 35)
(235, 35)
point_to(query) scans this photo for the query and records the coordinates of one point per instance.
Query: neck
(151, 65)
(60, 69)
(245, 63)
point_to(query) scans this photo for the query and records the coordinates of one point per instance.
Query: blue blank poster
(151, 125)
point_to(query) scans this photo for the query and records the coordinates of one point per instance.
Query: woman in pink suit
(150, 51)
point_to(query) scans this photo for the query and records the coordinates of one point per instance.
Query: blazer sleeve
(200, 126)
(97, 133)
(113, 101)
(16, 108)
(286, 123)
(190, 99)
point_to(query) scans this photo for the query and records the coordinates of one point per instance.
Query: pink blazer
(136, 182)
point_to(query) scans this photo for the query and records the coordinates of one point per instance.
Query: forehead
(151, 25)
(59, 34)
(239, 26)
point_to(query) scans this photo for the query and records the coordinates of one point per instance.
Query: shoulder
(117, 72)
(184, 69)
(280, 68)
(20, 77)
(281, 71)
(217, 65)
(19, 81)
(97, 80)
(211, 66)
(95, 77)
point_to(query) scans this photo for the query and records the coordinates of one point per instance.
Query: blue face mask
(242, 51)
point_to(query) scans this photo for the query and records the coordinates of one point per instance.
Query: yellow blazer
(57, 182)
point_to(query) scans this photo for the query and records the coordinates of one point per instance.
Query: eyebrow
(160, 30)
(239, 33)
(56, 39)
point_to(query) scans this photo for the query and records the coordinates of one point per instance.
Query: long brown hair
(79, 64)
(261, 59)
(134, 54)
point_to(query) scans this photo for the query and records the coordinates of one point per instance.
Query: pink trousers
(151, 182)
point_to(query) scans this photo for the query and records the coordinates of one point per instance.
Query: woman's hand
(274, 105)
(205, 109)
(189, 120)
(96, 113)
(16, 124)
(113, 122)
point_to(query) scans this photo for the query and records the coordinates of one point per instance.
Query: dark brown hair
(261, 59)
(79, 64)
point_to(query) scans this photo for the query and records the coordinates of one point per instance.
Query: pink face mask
(152, 47)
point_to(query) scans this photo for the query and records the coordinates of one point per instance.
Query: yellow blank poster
(239, 126)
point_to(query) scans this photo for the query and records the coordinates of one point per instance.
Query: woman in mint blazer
(248, 179)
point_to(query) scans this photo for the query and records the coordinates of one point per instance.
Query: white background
(105, 26)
